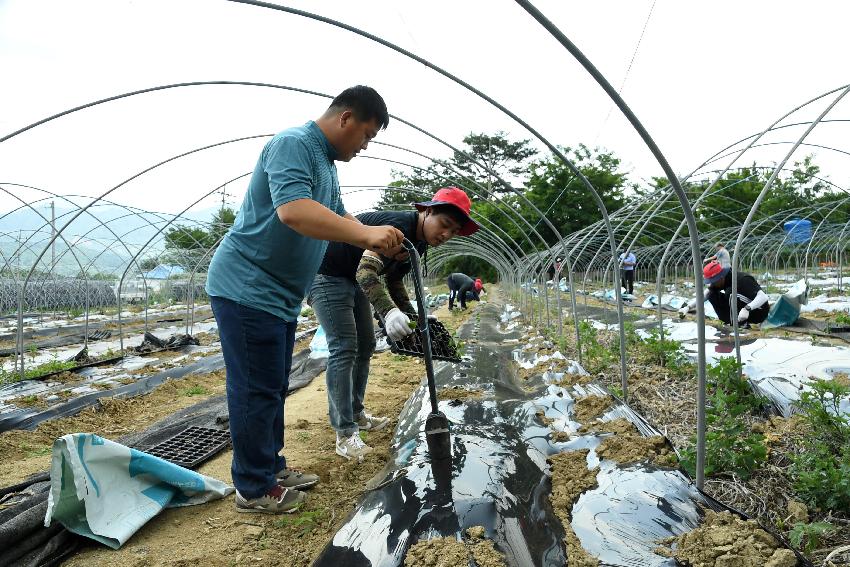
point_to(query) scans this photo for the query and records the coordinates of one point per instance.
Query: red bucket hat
(713, 271)
(459, 200)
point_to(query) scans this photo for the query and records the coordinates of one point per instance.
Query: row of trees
(549, 184)
(492, 163)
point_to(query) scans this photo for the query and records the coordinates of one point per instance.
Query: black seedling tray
(442, 345)
(192, 446)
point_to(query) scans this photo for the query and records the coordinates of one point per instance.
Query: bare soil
(570, 479)
(449, 552)
(591, 406)
(627, 448)
(455, 393)
(725, 540)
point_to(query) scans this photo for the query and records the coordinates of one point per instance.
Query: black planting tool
(437, 424)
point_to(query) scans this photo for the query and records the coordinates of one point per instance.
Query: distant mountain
(93, 237)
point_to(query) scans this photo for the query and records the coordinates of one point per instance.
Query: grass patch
(195, 391)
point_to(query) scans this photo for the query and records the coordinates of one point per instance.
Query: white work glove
(743, 315)
(685, 309)
(397, 324)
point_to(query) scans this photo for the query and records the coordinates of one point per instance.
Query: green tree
(186, 238)
(506, 158)
(149, 264)
(221, 223)
(185, 245)
(564, 198)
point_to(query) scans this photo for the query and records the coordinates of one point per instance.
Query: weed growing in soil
(195, 391)
(303, 522)
(731, 447)
(821, 473)
(55, 365)
(664, 352)
(811, 533)
(596, 356)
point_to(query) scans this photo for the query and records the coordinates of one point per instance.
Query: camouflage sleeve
(370, 282)
(399, 295)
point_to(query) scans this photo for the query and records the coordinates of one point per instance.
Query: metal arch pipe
(680, 193)
(488, 252)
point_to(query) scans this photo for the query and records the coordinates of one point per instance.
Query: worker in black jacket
(459, 285)
(752, 301)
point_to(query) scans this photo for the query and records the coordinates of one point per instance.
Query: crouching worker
(349, 285)
(753, 306)
(459, 286)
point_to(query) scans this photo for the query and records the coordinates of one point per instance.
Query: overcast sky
(706, 74)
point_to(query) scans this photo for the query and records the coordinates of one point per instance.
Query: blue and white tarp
(106, 491)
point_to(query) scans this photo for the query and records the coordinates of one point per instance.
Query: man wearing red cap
(752, 301)
(347, 287)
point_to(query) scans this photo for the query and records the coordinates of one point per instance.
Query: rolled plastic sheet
(498, 476)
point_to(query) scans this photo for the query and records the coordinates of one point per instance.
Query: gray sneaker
(367, 422)
(352, 447)
(278, 500)
(295, 479)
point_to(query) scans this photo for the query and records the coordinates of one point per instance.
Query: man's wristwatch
(747, 307)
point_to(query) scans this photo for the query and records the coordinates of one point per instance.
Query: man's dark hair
(453, 212)
(364, 102)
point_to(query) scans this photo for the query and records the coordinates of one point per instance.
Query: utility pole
(52, 237)
(53, 253)
(224, 194)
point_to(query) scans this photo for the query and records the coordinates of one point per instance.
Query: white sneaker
(367, 422)
(352, 447)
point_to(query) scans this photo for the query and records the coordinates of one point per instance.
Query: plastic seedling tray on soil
(442, 345)
(192, 446)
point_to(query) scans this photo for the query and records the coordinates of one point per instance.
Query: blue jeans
(345, 314)
(257, 349)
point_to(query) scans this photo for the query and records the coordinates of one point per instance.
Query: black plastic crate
(192, 446)
(442, 345)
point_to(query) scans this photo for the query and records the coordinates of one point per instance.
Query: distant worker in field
(351, 282)
(627, 271)
(459, 284)
(722, 256)
(752, 301)
(554, 270)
